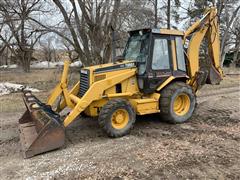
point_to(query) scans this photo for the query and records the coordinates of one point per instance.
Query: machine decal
(116, 67)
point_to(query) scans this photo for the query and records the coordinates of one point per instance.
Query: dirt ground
(206, 147)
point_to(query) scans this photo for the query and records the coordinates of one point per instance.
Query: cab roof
(159, 31)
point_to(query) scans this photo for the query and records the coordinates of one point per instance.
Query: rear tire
(117, 117)
(177, 102)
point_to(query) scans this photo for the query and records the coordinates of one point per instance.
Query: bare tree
(137, 15)
(229, 19)
(48, 49)
(227, 13)
(3, 46)
(155, 5)
(235, 30)
(89, 25)
(24, 34)
(165, 8)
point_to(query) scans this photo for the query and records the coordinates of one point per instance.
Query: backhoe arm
(206, 27)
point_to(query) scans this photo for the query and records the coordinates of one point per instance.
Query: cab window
(160, 60)
(180, 54)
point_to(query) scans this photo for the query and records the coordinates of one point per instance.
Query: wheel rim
(181, 104)
(120, 119)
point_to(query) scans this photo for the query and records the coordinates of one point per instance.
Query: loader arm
(95, 92)
(70, 98)
(207, 27)
(61, 89)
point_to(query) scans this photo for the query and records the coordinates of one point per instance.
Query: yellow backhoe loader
(159, 72)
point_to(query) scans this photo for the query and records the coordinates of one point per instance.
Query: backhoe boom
(205, 27)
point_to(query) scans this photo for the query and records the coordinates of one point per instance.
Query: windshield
(137, 48)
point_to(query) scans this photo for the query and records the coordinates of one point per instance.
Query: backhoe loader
(158, 72)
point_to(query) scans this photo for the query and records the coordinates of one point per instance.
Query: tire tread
(104, 115)
(165, 99)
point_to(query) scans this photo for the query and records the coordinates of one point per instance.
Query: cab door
(160, 66)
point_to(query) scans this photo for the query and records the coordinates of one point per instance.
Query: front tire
(117, 117)
(177, 102)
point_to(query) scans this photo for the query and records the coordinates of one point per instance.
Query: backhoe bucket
(40, 127)
(214, 77)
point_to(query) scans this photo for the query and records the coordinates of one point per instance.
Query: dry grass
(32, 77)
(37, 77)
(42, 79)
(231, 70)
(14, 103)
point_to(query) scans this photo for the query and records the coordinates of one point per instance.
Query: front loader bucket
(40, 127)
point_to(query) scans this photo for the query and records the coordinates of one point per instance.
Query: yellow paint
(99, 77)
(171, 32)
(65, 73)
(74, 98)
(208, 25)
(73, 91)
(92, 68)
(214, 46)
(174, 56)
(120, 119)
(165, 83)
(67, 98)
(193, 50)
(145, 106)
(95, 92)
(61, 88)
(119, 95)
(94, 108)
(196, 25)
(155, 96)
(181, 104)
(54, 94)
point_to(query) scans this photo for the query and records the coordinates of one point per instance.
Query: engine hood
(111, 67)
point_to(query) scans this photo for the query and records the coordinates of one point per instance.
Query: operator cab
(158, 53)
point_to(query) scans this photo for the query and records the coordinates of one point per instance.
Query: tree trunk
(235, 56)
(25, 59)
(155, 14)
(6, 56)
(169, 14)
(26, 66)
(223, 55)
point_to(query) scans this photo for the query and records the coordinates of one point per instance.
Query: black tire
(106, 113)
(167, 98)
(84, 115)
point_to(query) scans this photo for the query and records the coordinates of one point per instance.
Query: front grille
(84, 83)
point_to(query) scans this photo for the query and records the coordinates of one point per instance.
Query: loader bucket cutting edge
(40, 127)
